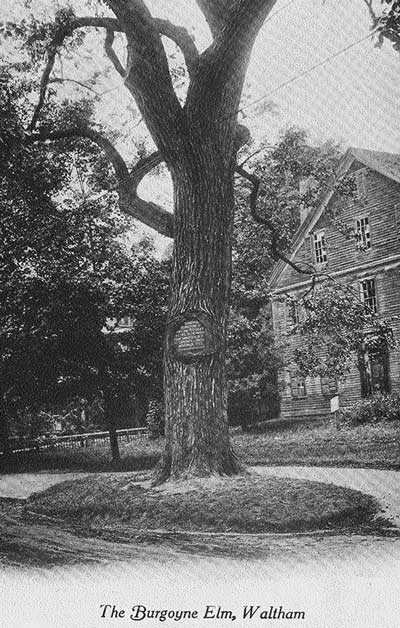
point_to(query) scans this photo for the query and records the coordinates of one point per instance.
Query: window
(298, 387)
(361, 183)
(320, 251)
(368, 295)
(363, 234)
(126, 321)
(329, 386)
(374, 372)
(296, 312)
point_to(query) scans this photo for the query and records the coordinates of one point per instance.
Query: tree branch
(144, 166)
(111, 152)
(58, 79)
(111, 54)
(215, 12)
(109, 23)
(214, 97)
(371, 11)
(148, 77)
(261, 220)
(182, 39)
(149, 213)
(51, 57)
(61, 32)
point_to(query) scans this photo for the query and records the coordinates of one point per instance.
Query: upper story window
(320, 250)
(368, 295)
(363, 234)
(361, 183)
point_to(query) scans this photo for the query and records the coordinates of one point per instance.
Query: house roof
(387, 164)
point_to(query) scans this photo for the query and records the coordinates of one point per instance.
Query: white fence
(75, 441)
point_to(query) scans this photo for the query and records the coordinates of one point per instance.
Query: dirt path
(41, 542)
(22, 485)
(339, 580)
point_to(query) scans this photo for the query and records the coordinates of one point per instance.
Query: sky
(353, 99)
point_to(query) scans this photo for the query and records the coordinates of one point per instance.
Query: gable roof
(387, 164)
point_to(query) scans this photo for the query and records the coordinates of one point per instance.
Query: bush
(373, 410)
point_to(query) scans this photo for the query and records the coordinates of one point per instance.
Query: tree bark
(196, 430)
(112, 431)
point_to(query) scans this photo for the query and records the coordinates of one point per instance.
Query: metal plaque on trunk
(192, 336)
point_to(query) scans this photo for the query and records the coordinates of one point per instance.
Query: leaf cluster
(335, 326)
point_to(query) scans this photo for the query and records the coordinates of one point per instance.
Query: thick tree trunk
(5, 446)
(196, 431)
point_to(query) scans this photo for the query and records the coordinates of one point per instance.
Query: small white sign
(335, 403)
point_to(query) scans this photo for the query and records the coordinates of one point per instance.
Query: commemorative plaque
(192, 336)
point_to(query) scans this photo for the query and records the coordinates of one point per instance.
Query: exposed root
(228, 466)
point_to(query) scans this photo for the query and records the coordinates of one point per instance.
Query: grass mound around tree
(244, 504)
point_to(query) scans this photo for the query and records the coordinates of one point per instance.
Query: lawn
(249, 503)
(373, 446)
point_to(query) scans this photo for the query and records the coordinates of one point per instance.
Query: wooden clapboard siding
(382, 262)
(381, 208)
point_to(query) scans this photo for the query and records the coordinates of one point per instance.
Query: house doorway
(374, 372)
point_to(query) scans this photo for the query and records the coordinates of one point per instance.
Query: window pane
(368, 295)
(363, 234)
(320, 247)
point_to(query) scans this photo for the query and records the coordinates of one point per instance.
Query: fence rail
(74, 441)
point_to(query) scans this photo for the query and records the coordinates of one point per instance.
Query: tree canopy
(68, 275)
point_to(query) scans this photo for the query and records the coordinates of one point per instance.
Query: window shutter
(293, 387)
(311, 247)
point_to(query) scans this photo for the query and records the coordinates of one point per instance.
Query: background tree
(280, 171)
(337, 328)
(66, 278)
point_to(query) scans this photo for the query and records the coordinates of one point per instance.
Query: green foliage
(253, 360)
(252, 366)
(388, 23)
(334, 326)
(374, 410)
(67, 276)
(281, 169)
